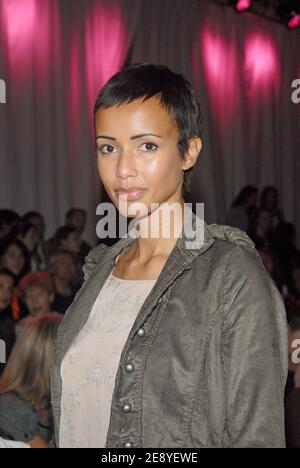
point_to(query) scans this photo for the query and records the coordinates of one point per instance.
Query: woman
(37, 291)
(14, 257)
(165, 344)
(269, 200)
(25, 411)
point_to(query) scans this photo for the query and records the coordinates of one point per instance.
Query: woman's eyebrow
(132, 138)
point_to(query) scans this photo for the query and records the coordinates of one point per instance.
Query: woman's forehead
(135, 118)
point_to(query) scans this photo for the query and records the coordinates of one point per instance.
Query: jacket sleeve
(254, 354)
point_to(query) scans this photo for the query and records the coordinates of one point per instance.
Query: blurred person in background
(9, 223)
(269, 200)
(37, 290)
(25, 410)
(76, 217)
(40, 254)
(272, 266)
(28, 234)
(14, 257)
(261, 231)
(63, 268)
(242, 208)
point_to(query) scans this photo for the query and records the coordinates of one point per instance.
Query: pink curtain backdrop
(55, 55)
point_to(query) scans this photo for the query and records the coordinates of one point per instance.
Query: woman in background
(25, 410)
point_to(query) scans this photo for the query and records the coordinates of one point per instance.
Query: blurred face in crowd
(38, 300)
(137, 147)
(6, 291)
(65, 268)
(31, 238)
(72, 243)
(13, 259)
(264, 221)
(39, 224)
(77, 220)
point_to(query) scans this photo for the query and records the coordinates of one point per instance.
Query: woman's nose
(126, 165)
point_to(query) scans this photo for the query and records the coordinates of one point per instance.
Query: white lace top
(89, 368)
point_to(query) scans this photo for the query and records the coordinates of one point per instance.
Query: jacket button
(128, 444)
(126, 408)
(129, 367)
(141, 332)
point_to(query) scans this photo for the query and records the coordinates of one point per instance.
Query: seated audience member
(30, 238)
(14, 257)
(271, 264)
(9, 224)
(238, 215)
(25, 410)
(261, 231)
(39, 255)
(269, 200)
(62, 267)
(76, 218)
(65, 238)
(7, 327)
(37, 290)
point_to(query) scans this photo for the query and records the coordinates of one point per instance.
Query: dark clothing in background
(292, 419)
(61, 302)
(290, 384)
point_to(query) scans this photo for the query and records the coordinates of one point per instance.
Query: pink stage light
(262, 66)
(221, 68)
(243, 5)
(19, 17)
(294, 22)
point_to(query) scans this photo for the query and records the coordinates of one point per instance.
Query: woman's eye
(149, 146)
(106, 149)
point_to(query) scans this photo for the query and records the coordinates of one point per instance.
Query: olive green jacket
(208, 349)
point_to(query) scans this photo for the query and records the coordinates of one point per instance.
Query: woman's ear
(192, 153)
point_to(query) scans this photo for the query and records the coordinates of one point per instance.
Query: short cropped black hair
(145, 80)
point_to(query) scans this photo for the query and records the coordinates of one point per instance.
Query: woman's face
(38, 300)
(13, 259)
(137, 147)
(6, 291)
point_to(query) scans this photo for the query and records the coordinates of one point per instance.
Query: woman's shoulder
(11, 401)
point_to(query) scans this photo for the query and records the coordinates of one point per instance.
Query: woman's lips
(131, 195)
